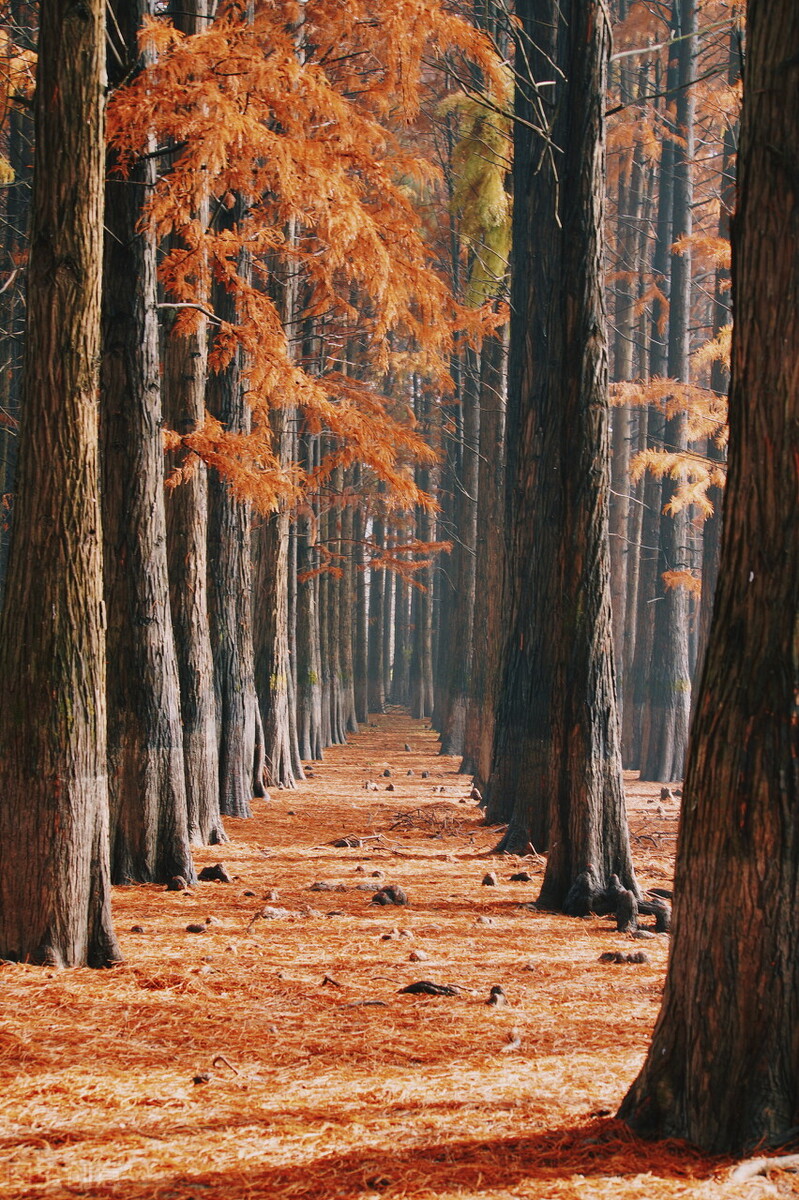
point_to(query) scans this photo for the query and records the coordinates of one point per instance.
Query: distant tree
(54, 859)
(558, 755)
(722, 1067)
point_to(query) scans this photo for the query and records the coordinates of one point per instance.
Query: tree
(149, 821)
(558, 753)
(722, 1066)
(54, 859)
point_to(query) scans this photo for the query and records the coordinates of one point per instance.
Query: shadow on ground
(596, 1149)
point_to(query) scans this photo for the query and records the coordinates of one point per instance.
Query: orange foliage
(295, 111)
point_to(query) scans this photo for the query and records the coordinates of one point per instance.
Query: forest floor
(274, 1055)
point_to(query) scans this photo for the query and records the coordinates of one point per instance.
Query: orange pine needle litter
(272, 1056)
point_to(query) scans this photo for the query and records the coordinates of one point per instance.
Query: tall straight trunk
(665, 723)
(54, 854)
(149, 819)
(400, 679)
(240, 731)
(309, 670)
(185, 362)
(638, 438)
(631, 195)
(388, 622)
(459, 659)
(361, 627)
(489, 563)
(271, 625)
(347, 614)
(184, 377)
(560, 641)
(421, 664)
(721, 1069)
(294, 741)
(377, 581)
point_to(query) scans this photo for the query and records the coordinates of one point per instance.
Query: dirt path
(331, 1085)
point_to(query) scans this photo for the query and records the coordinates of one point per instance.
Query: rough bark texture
(230, 596)
(185, 362)
(184, 378)
(271, 626)
(149, 829)
(559, 695)
(54, 858)
(721, 1069)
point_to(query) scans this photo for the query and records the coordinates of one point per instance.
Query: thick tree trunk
(721, 1070)
(559, 690)
(54, 852)
(149, 823)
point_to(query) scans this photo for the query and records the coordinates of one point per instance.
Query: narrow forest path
(274, 1056)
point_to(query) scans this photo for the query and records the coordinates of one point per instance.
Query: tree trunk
(459, 660)
(54, 850)
(271, 628)
(361, 631)
(560, 642)
(309, 682)
(184, 378)
(489, 563)
(149, 821)
(240, 731)
(400, 680)
(721, 1070)
(347, 615)
(377, 580)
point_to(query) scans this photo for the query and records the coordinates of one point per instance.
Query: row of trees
(318, 295)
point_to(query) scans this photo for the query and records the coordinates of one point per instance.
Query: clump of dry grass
(273, 1055)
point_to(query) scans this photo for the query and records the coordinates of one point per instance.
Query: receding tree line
(169, 653)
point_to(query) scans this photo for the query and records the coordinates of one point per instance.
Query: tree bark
(149, 821)
(54, 849)
(559, 690)
(239, 727)
(721, 1070)
(376, 697)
